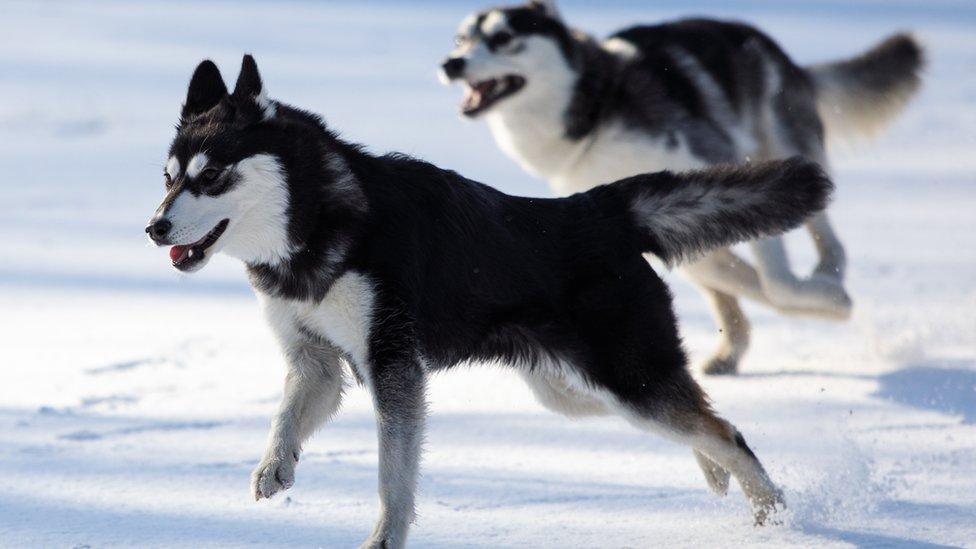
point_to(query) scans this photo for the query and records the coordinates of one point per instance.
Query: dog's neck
(324, 221)
(551, 123)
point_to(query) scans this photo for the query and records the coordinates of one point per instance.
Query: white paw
(765, 507)
(275, 473)
(840, 305)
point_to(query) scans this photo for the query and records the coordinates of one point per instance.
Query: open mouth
(185, 256)
(482, 95)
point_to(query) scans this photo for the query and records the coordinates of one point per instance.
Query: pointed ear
(206, 90)
(546, 7)
(248, 81)
(249, 91)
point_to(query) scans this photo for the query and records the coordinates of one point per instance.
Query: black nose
(453, 67)
(159, 229)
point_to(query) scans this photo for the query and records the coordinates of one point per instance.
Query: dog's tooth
(190, 253)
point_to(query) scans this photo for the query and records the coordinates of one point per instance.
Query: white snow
(134, 402)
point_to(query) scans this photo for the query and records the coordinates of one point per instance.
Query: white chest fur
(616, 152)
(611, 153)
(343, 317)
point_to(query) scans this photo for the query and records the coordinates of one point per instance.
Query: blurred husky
(682, 95)
(400, 268)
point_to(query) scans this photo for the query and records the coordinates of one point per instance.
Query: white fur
(196, 165)
(820, 295)
(343, 317)
(560, 390)
(267, 106)
(529, 126)
(621, 48)
(173, 167)
(312, 394)
(615, 152)
(194, 216)
(611, 153)
(258, 232)
(469, 25)
(494, 22)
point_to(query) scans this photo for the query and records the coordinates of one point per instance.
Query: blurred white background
(133, 401)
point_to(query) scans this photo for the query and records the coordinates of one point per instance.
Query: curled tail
(857, 97)
(680, 216)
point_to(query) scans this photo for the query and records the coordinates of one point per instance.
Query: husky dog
(679, 96)
(399, 268)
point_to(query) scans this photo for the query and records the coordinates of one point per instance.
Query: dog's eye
(500, 39)
(169, 180)
(209, 175)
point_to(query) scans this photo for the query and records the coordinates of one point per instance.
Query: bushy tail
(858, 97)
(680, 216)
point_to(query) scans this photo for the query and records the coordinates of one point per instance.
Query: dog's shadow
(947, 386)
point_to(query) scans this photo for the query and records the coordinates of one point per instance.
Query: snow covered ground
(134, 402)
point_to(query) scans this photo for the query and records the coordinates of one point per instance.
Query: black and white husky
(399, 268)
(682, 95)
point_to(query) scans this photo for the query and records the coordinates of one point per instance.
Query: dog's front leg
(313, 391)
(399, 400)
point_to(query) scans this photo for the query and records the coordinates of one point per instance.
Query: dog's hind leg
(399, 401)
(734, 333)
(721, 276)
(832, 262)
(719, 448)
(821, 296)
(556, 393)
(723, 447)
(792, 126)
(724, 271)
(313, 392)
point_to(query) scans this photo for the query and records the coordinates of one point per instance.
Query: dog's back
(701, 61)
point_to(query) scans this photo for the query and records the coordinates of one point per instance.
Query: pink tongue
(177, 252)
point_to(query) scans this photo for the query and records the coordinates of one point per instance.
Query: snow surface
(134, 402)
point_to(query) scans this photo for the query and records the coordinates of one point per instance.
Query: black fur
(465, 272)
(716, 45)
(458, 271)
(896, 62)
(206, 90)
(688, 214)
(654, 93)
(872, 86)
(533, 20)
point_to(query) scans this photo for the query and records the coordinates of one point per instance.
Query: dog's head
(225, 185)
(506, 54)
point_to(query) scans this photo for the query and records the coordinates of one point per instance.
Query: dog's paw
(763, 510)
(720, 365)
(840, 303)
(275, 473)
